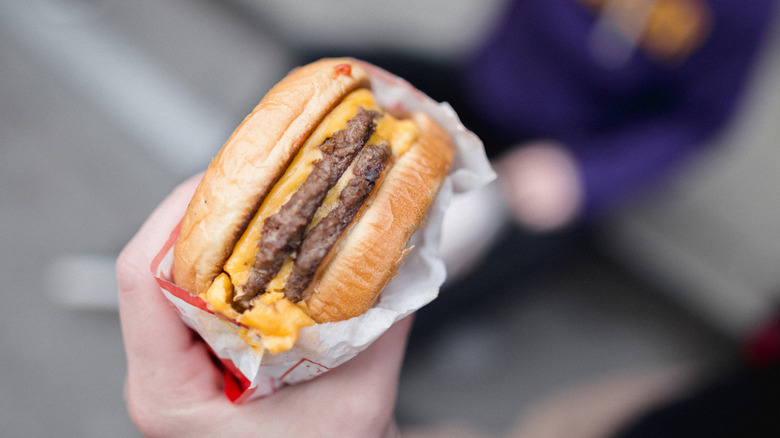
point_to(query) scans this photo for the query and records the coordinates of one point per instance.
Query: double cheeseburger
(306, 212)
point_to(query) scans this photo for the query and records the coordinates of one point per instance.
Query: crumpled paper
(319, 348)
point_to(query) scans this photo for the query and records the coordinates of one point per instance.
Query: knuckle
(142, 414)
(128, 269)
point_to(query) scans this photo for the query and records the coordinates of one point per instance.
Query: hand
(542, 185)
(174, 389)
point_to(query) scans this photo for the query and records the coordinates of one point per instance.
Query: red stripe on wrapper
(182, 294)
(157, 261)
(165, 279)
(236, 385)
(303, 370)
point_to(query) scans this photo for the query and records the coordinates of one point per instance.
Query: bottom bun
(372, 251)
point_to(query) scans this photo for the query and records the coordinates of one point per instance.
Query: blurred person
(588, 102)
(174, 387)
(582, 105)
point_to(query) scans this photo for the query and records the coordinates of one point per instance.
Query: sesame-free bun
(374, 248)
(368, 255)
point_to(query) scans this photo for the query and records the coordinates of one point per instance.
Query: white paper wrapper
(324, 346)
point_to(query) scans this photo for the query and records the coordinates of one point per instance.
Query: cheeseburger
(306, 212)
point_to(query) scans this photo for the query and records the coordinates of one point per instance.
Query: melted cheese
(219, 296)
(274, 319)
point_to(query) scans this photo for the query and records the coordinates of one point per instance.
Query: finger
(157, 343)
(366, 387)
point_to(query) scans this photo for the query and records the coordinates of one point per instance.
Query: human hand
(173, 387)
(542, 185)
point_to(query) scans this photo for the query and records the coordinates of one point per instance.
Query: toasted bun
(370, 252)
(249, 163)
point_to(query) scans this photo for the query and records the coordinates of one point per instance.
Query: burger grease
(306, 212)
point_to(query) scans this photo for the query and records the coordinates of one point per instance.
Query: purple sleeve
(645, 148)
(627, 126)
(617, 165)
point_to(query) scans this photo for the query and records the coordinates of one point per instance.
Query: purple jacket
(627, 116)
